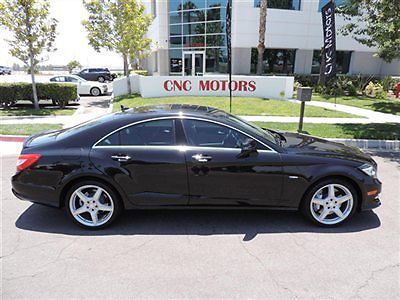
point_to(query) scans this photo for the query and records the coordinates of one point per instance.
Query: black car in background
(5, 70)
(97, 74)
(184, 156)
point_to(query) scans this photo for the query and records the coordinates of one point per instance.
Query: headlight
(105, 86)
(369, 170)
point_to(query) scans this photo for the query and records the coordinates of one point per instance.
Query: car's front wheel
(92, 204)
(95, 92)
(101, 79)
(330, 202)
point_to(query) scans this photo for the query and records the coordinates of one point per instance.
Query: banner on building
(328, 59)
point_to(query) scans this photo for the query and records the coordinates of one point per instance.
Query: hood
(310, 145)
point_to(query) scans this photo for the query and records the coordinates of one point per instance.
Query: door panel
(151, 176)
(146, 162)
(226, 179)
(219, 173)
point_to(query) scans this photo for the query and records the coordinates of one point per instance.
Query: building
(190, 39)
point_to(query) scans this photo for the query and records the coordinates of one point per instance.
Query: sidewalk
(94, 107)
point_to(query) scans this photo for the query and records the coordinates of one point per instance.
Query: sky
(71, 42)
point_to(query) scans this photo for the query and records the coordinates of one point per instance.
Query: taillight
(26, 160)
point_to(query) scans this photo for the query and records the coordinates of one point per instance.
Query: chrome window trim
(177, 117)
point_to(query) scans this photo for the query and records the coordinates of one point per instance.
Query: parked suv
(5, 70)
(97, 74)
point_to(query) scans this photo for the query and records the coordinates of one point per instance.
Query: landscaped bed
(27, 129)
(240, 106)
(25, 108)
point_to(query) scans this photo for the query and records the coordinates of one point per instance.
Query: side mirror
(248, 147)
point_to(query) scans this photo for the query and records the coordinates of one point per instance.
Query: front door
(218, 174)
(146, 162)
(194, 63)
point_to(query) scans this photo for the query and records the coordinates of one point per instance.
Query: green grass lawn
(390, 106)
(389, 131)
(24, 108)
(240, 106)
(27, 129)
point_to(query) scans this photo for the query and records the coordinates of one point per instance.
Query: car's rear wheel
(95, 91)
(330, 202)
(92, 204)
(101, 79)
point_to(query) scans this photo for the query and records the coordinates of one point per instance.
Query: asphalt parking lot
(201, 254)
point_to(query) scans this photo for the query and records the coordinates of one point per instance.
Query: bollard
(303, 94)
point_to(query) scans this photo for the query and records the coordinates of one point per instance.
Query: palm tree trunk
(126, 73)
(261, 36)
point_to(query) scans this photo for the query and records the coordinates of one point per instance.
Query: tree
(73, 64)
(33, 32)
(118, 25)
(261, 36)
(374, 23)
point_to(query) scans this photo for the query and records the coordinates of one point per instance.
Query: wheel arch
(75, 180)
(348, 179)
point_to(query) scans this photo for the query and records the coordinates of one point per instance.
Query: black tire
(306, 207)
(101, 79)
(109, 195)
(95, 92)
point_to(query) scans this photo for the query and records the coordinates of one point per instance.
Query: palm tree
(261, 36)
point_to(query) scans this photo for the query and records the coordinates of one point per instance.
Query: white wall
(285, 28)
(277, 87)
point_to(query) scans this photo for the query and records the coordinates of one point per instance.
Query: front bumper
(371, 201)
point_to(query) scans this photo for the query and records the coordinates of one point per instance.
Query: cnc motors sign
(329, 51)
(207, 85)
(213, 85)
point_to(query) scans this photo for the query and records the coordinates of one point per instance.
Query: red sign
(210, 85)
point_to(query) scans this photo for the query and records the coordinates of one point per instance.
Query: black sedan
(97, 74)
(183, 156)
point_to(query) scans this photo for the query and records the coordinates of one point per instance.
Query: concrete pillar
(241, 61)
(303, 61)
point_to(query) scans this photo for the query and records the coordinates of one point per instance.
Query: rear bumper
(35, 193)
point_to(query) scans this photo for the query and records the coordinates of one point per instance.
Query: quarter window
(207, 134)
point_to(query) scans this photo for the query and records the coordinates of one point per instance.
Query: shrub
(375, 90)
(60, 93)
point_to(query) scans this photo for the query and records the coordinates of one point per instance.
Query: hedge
(351, 85)
(59, 93)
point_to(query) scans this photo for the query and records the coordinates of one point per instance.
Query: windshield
(252, 128)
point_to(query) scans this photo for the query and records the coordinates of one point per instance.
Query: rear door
(220, 176)
(146, 162)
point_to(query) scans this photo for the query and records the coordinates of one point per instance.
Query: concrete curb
(387, 145)
(28, 117)
(12, 138)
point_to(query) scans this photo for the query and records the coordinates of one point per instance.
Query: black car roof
(162, 110)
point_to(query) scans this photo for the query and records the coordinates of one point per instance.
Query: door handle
(121, 157)
(201, 158)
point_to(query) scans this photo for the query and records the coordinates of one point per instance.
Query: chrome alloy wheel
(331, 204)
(91, 205)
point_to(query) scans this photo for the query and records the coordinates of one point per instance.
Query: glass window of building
(281, 4)
(342, 62)
(197, 25)
(275, 61)
(324, 2)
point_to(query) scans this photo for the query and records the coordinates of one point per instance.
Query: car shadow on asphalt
(250, 223)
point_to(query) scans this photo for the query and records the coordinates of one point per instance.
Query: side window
(61, 79)
(152, 133)
(85, 71)
(208, 134)
(111, 140)
(72, 79)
